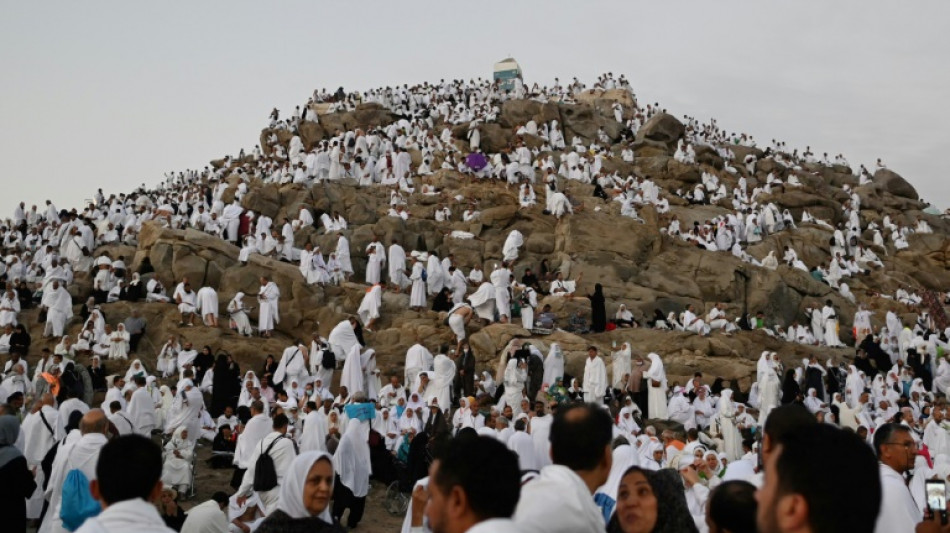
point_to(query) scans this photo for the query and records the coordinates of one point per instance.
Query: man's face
(436, 510)
(768, 496)
(507, 413)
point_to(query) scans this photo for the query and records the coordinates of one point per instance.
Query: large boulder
(891, 182)
(663, 128)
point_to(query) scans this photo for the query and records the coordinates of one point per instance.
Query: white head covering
(291, 490)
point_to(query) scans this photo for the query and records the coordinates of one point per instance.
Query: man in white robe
(896, 453)
(352, 376)
(292, 366)
(483, 301)
(343, 256)
(141, 409)
(371, 306)
(510, 249)
(500, 280)
(208, 517)
(82, 454)
(692, 322)
(444, 369)
(231, 218)
(657, 385)
(187, 301)
(256, 429)
(418, 359)
(269, 313)
(417, 296)
(457, 283)
(595, 377)
(207, 306)
(397, 267)
(313, 438)
(373, 265)
(59, 309)
(342, 338)
(830, 318)
(282, 453)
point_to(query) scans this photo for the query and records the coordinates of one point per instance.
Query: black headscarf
(672, 512)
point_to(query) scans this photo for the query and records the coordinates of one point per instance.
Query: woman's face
(636, 504)
(317, 488)
(712, 462)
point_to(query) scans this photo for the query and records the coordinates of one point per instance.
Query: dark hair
(221, 497)
(280, 421)
(579, 435)
(803, 471)
(885, 433)
(785, 420)
(732, 506)
(486, 470)
(129, 467)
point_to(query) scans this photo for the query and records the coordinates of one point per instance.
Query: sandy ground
(208, 481)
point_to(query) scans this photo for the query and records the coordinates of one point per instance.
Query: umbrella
(932, 210)
(476, 161)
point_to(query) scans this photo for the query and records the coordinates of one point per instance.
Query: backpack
(425, 276)
(265, 474)
(77, 502)
(328, 361)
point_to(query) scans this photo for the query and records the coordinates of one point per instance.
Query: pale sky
(114, 94)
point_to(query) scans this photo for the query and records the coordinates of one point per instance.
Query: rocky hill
(636, 262)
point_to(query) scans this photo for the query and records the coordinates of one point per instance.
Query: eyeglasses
(911, 445)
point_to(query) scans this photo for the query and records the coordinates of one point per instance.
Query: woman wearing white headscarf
(656, 381)
(462, 418)
(626, 424)
(731, 438)
(515, 378)
(854, 386)
(176, 470)
(553, 365)
(624, 456)
(119, 343)
(620, 367)
(239, 321)
(304, 502)
(770, 387)
(135, 369)
(351, 462)
(813, 403)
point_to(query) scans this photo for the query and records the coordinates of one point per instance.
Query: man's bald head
(94, 421)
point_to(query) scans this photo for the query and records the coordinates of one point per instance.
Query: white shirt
(558, 500)
(129, 516)
(898, 511)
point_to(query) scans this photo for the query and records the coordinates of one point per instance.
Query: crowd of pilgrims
(386, 427)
